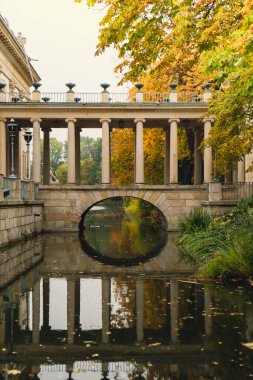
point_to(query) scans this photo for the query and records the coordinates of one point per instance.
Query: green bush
(197, 220)
(222, 247)
(234, 260)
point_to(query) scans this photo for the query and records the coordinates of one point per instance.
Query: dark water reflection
(123, 231)
(70, 317)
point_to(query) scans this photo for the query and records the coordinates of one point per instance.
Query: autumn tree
(191, 42)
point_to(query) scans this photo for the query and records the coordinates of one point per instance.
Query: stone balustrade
(17, 190)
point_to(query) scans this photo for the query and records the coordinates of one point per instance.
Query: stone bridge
(64, 205)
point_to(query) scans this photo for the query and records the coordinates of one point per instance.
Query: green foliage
(90, 164)
(191, 42)
(223, 247)
(61, 173)
(235, 260)
(197, 220)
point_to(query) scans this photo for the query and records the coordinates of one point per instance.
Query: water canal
(118, 311)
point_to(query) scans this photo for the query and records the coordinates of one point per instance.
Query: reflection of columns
(46, 293)
(167, 158)
(173, 151)
(139, 310)
(241, 170)
(71, 310)
(197, 157)
(139, 151)
(78, 154)
(46, 156)
(174, 310)
(105, 369)
(105, 309)
(249, 324)
(3, 142)
(106, 151)
(77, 304)
(36, 149)
(207, 152)
(2, 321)
(208, 313)
(36, 313)
(71, 151)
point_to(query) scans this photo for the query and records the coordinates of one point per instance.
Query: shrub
(197, 220)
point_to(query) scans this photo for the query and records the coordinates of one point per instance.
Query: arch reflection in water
(123, 231)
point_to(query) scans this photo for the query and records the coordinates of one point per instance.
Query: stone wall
(18, 259)
(63, 206)
(19, 220)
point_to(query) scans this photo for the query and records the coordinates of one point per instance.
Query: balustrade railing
(16, 189)
(36, 191)
(9, 184)
(189, 97)
(90, 97)
(237, 191)
(89, 366)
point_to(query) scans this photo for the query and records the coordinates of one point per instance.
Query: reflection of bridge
(15, 328)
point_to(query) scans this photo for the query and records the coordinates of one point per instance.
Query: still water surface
(64, 315)
(123, 231)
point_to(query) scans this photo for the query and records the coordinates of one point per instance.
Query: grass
(221, 248)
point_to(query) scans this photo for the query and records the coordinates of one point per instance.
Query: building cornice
(15, 50)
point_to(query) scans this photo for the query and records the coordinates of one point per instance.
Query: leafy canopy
(192, 42)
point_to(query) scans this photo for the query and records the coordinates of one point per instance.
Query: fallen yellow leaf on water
(248, 345)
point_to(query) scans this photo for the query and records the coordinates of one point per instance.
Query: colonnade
(203, 165)
(171, 152)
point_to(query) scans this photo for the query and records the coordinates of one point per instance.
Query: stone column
(105, 310)
(241, 170)
(207, 152)
(3, 143)
(174, 310)
(71, 151)
(36, 149)
(78, 155)
(167, 158)
(71, 310)
(248, 163)
(173, 151)
(46, 156)
(17, 155)
(139, 151)
(36, 313)
(139, 310)
(197, 157)
(106, 151)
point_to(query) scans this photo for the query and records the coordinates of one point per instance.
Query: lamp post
(12, 129)
(28, 138)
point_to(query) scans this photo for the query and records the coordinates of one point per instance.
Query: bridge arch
(156, 199)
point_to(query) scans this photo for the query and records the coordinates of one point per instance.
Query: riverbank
(221, 248)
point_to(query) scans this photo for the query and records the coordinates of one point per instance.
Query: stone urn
(173, 87)
(105, 86)
(36, 86)
(70, 86)
(139, 86)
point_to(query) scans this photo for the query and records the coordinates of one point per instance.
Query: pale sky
(63, 35)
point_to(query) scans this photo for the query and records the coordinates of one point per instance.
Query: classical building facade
(16, 78)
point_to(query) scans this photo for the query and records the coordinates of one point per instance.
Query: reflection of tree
(122, 303)
(155, 304)
(125, 228)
